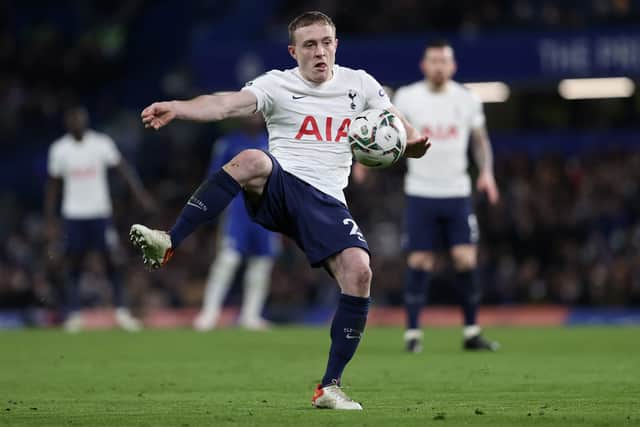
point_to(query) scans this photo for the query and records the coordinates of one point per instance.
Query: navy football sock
(416, 285)
(208, 201)
(346, 331)
(469, 295)
(72, 297)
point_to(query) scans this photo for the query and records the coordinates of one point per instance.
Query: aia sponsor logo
(88, 172)
(441, 132)
(329, 130)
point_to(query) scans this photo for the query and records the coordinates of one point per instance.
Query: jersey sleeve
(477, 113)
(374, 93)
(54, 162)
(111, 153)
(262, 87)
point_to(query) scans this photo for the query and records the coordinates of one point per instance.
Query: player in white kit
(296, 188)
(78, 162)
(438, 213)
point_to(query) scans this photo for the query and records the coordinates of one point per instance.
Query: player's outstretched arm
(417, 145)
(132, 179)
(483, 156)
(204, 108)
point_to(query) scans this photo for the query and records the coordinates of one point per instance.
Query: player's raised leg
(247, 171)
(351, 269)
(220, 277)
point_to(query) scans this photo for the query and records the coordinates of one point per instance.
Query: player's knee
(260, 265)
(464, 264)
(258, 164)
(464, 259)
(249, 165)
(358, 281)
(229, 258)
(421, 260)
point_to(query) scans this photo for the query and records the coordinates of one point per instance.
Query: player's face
(438, 64)
(315, 50)
(76, 121)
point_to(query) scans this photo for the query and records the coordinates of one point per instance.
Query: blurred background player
(78, 162)
(439, 213)
(242, 239)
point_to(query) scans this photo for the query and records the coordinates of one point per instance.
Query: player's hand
(52, 241)
(487, 183)
(51, 231)
(158, 114)
(359, 173)
(417, 147)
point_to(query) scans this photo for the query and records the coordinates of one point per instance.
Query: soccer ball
(377, 138)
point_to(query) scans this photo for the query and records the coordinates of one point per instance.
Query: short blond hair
(306, 19)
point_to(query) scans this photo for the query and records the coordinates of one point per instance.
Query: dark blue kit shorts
(81, 235)
(432, 224)
(321, 225)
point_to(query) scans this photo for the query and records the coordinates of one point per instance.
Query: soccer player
(297, 187)
(242, 238)
(78, 162)
(438, 213)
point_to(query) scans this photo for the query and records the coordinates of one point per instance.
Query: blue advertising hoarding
(515, 57)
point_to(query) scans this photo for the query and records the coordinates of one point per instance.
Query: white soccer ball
(377, 138)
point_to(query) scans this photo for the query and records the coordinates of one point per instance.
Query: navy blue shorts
(433, 224)
(321, 225)
(81, 235)
(245, 236)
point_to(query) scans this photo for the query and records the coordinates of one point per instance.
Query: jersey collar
(312, 85)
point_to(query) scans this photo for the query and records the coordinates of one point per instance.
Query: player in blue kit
(297, 187)
(242, 239)
(438, 212)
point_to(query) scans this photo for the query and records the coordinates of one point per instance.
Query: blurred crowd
(566, 231)
(51, 57)
(466, 16)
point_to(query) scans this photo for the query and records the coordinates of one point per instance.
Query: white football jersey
(308, 123)
(447, 117)
(83, 166)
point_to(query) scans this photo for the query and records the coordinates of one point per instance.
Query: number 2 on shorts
(355, 230)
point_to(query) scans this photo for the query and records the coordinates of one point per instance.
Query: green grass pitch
(541, 376)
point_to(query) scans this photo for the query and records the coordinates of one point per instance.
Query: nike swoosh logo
(299, 97)
(352, 337)
(202, 208)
